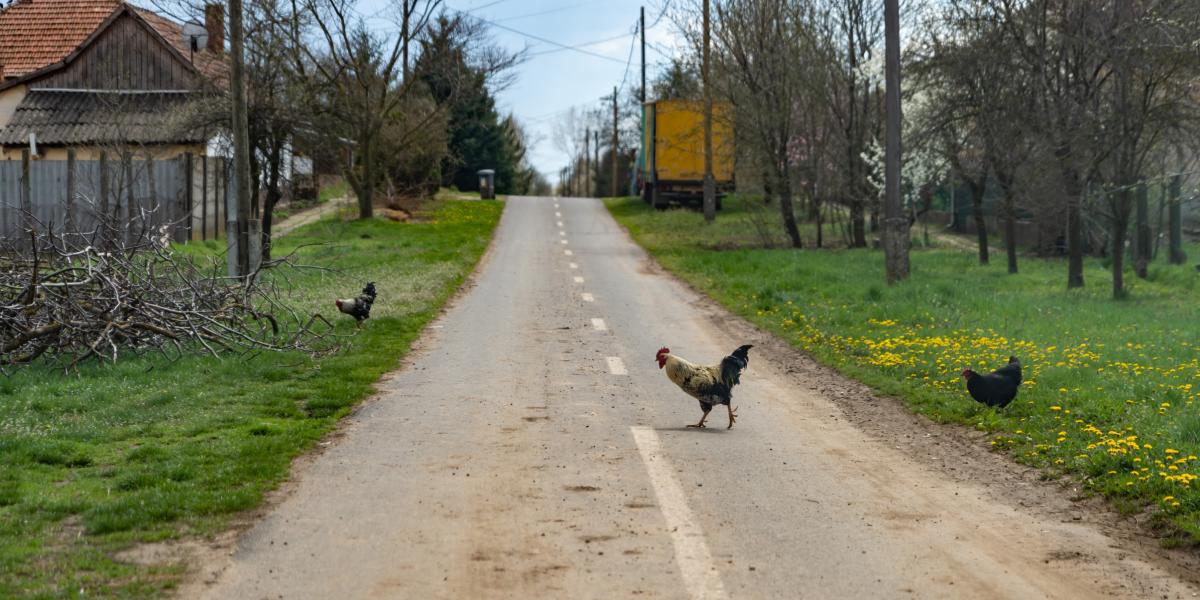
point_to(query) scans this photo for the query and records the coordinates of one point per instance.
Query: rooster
(995, 389)
(710, 385)
(360, 307)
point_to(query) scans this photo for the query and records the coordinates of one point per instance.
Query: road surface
(531, 448)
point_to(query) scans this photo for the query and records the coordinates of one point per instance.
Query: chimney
(214, 22)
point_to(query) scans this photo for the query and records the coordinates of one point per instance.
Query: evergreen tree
(478, 138)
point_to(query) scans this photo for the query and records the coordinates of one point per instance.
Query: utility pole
(596, 160)
(643, 28)
(241, 234)
(895, 229)
(710, 188)
(587, 167)
(613, 186)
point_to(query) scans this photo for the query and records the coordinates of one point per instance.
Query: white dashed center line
(588, 297)
(578, 280)
(691, 551)
(574, 265)
(598, 325)
(562, 233)
(557, 214)
(560, 224)
(616, 366)
(567, 252)
(563, 241)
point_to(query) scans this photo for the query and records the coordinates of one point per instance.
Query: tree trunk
(1074, 191)
(785, 206)
(1010, 231)
(274, 166)
(1141, 260)
(1120, 225)
(1175, 222)
(366, 187)
(858, 224)
(977, 189)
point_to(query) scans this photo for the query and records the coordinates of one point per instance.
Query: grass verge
(332, 192)
(148, 450)
(1110, 386)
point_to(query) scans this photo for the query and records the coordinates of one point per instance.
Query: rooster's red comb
(662, 351)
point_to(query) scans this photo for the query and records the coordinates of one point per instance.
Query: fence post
(188, 192)
(26, 194)
(204, 197)
(218, 186)
(103, 222)
(155, 205)
(130, 200)
(70, 224)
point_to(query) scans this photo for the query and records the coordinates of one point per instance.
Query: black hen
(997, 388)
(360, 307)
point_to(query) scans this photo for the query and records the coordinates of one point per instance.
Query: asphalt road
(531, 447)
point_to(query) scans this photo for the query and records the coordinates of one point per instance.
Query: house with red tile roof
(92, 74)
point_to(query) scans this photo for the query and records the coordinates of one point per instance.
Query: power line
(537, 38)
(592, 43)
(629, 61)
(549, 11)
(479, 8)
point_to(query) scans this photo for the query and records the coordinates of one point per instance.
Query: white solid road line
(574, 265)
(567, 252)
(700, 576)
(578, 280)
(598, 325)
(588, 297)
(616, 366)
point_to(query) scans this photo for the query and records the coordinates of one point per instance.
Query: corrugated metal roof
(69, 117)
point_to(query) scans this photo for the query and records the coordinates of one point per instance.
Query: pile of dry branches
(72, 300)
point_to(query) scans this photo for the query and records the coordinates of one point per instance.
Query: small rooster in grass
(360, 307)
(995, 389)
(710, 385)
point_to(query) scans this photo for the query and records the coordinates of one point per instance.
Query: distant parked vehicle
(671, 159)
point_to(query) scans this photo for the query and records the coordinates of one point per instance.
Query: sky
(552, 80)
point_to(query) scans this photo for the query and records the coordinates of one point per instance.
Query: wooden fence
(187, 194)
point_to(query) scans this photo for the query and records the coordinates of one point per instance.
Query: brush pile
(68, 301)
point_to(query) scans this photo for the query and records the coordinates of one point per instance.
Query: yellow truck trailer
(671, 159)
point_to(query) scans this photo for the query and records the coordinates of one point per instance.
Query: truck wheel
(657, 200)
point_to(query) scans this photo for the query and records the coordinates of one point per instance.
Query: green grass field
(147, 450)
(1111, 388)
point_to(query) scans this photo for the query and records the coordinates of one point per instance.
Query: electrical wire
(592, 43)
(549, 11)
(537, 38)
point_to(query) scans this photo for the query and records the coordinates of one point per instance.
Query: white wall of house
(9, 99)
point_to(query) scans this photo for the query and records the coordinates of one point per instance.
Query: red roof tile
(37, 33)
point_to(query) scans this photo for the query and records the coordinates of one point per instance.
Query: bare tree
(757, 42)
(352, 77)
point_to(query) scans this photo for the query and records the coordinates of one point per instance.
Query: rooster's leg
(732, 415)
(702, 419)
